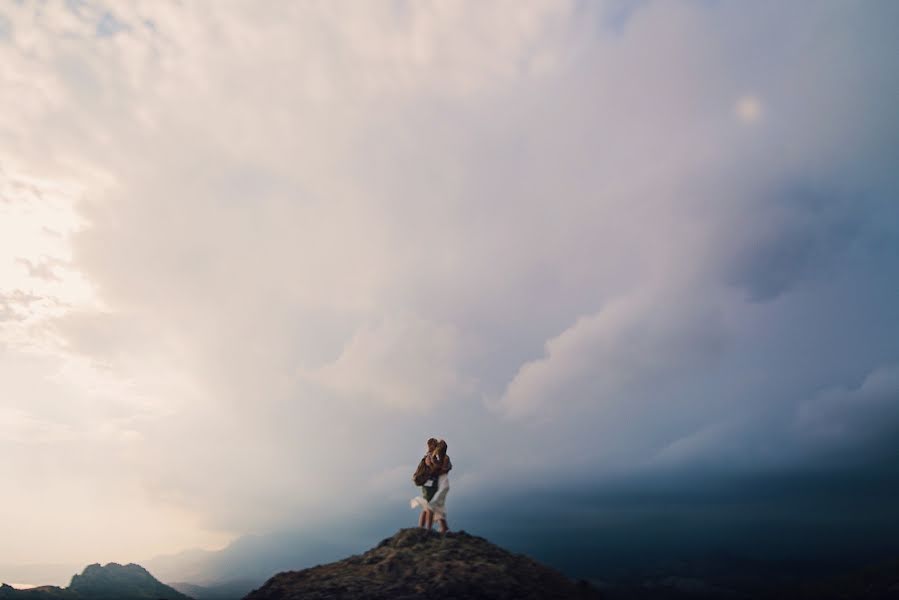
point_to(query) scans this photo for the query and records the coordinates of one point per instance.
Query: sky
(252, 257)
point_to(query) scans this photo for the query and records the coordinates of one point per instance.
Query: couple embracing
(432, 475)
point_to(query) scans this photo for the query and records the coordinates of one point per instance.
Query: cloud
(698, 446)
(843, 418)
(15, 305)
(797, 233)
(631, 342)
(42, 270)
(296, 242)
(401, 363)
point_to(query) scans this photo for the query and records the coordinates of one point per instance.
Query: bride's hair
(432, 443)
(441, 449)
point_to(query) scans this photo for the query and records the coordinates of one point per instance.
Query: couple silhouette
(432, 475)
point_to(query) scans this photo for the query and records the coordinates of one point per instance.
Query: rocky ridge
(416, 563)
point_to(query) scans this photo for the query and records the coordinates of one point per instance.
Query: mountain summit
(115, 581)
(416, 563)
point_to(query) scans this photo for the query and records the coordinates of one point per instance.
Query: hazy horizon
(641, 258)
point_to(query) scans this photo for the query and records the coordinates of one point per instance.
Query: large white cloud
(301, 240)
(630, 342)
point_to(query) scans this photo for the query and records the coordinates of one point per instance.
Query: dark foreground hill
(112, 582)
(416, 563)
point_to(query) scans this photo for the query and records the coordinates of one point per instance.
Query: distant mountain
(112, 582)
(117, 582)
(416, 563)
(46, 592)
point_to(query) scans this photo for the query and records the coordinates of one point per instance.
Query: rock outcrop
(115, 581)
(416, 563)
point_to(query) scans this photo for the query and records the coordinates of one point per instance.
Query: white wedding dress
(438, 501)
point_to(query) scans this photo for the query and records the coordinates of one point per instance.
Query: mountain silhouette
(416, 563)
(110, 582)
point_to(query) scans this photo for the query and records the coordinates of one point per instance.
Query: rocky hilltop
(115, 581)
(416, 563)
(110, 582)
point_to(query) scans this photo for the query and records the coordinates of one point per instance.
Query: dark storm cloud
(804, 231)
